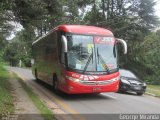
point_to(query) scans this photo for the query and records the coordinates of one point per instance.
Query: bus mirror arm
(64, 42)
(124, 45)
(65, 49)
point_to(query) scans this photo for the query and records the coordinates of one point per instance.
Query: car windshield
(91, 53)
(127, 73)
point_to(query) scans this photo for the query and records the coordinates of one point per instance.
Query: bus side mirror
(64, 44)
(124, 44)
(64, 59)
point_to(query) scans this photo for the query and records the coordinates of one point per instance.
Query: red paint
(81, 88)
(81, 29)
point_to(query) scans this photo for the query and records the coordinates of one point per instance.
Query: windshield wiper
(100, 58)
(89, 59)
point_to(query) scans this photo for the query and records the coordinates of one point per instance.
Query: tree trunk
(103, 8)
(108, 10)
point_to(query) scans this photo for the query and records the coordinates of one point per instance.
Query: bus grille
(99, 82)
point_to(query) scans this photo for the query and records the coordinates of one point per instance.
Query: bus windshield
(91, 53)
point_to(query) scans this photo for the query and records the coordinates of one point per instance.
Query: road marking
(73, 112)
(109, 95)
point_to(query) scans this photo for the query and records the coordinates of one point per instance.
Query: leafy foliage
(150, 57)
(22, 42)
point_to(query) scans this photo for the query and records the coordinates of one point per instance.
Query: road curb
(151, 94)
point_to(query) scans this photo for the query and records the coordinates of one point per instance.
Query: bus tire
(36, 76)
(55, 82)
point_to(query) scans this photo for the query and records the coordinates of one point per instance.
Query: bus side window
(50, 44)
(60, 51)
(48, 50)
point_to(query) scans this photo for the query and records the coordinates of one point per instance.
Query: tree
(150, 57)
(22, 42)
(5, 26)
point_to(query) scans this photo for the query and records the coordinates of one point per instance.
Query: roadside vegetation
(154, 89)
(6, 99)
(44, 110)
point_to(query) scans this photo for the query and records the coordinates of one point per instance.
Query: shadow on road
(128, 93)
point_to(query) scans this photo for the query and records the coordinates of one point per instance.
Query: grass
(154, 89)
(6, 99)
(45, 112)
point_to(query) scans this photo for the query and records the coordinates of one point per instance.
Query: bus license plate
(95, 89)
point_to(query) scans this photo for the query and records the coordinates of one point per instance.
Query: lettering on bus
(84, 77)
(104, 40)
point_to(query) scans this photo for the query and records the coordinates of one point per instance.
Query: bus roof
(79, 29)
(82, 29)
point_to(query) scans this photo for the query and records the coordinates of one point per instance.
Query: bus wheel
(55, 83)
(36, 76)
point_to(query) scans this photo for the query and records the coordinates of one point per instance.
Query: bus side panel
(45, 55)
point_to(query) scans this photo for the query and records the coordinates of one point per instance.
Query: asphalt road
(104, 103)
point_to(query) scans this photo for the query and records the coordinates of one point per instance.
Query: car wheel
(140, 93)
(119, 91)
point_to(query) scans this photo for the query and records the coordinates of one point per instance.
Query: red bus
(78, 59)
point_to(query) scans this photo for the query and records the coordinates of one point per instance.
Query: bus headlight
(73, 79)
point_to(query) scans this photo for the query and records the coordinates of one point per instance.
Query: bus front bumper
(78, 88)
